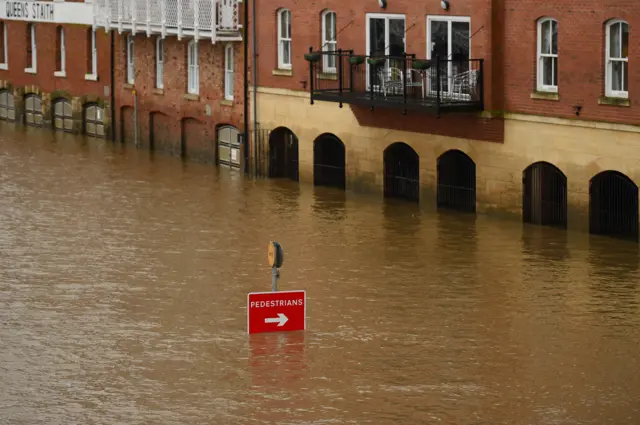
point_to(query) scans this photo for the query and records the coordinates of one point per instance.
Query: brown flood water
(123, 285)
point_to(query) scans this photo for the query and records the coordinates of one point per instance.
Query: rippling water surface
(123, 285)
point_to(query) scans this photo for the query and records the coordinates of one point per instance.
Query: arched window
(62, 115)
(329, 41)
(193, 77)
(7, 106)
(284, 39)
(617, 59)
(33, 110)
(94, 120)
(547, 55)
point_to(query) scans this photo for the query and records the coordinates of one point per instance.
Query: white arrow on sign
(280, 320)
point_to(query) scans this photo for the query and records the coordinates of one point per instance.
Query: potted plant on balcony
(421, 64)
(375, 61)
(312, 57)
(356, 60)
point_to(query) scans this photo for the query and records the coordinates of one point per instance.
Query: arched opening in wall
(127, 131)
(94, 120)
(7, 106)
(228, 146)
(192, 142)
(160, 132)
(62, 115)
(613, 206)
(401, 172)
(283, 154)
(544, 194)
(33, 110)
(456, 181)
(329, 162)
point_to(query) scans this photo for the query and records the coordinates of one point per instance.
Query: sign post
(275, 254)
(276, 311)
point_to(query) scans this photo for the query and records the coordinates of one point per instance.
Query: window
(385, 37)
(62, 115)
(92, 55)
(329, 43)
(94, 121)
(32, 56)
(130, 62)
(60, 53)
(448, 39)
(4, 52)
(33, 110)
(7, 106)
(193, 83)
(617, 61)
(284, 39)
(159, 62)
(228, 72)
(547, 55)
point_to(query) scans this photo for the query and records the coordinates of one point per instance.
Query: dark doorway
(613, 206)
(329, 159)
(401, 172)
(283, 154)
(456, 182)
(544, 195)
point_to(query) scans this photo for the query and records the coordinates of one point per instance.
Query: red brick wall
(306, 32)
(581, 57)
(76, 59)
(173, 113)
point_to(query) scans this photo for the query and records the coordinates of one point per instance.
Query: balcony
(405, 83)
(218, 20)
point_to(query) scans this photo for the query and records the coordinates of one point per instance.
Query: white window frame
(193, 72)
(609, 92)
(540, 86)
(385, 16)
(130, 59)
(62, 72)
(450, 20)
(284, 40)
(327, 44)
(5, 60)
(94, 59)
(159, 63)
(34, 51)
(229, 72)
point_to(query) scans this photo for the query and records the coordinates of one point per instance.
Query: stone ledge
(545, 95)
(226, 102)
(191, 96)
(128, 86)
(282, 72)
(614, 101)
(91, 77)
(157, 91)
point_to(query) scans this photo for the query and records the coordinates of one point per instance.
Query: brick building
(54, 69)
(178, 77)
(480, 105)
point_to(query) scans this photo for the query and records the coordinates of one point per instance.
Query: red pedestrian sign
(278, 311)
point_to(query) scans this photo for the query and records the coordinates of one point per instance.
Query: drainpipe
(112, 91)
(255, 81)
(246, 84)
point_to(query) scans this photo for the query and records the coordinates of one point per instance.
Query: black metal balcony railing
(403, 82)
